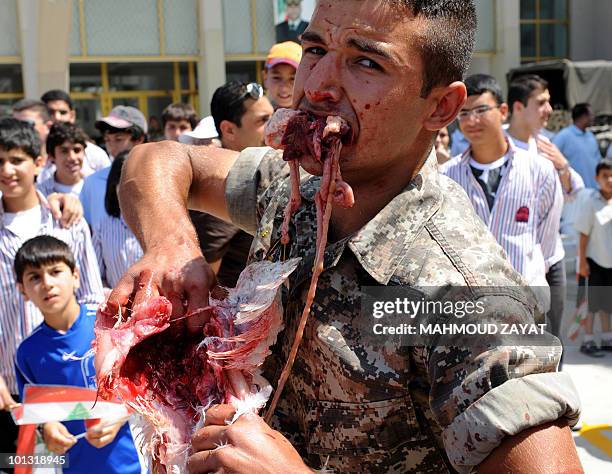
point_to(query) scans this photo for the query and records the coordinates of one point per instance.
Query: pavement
(593, 380)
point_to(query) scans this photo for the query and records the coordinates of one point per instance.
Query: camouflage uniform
(354, 406)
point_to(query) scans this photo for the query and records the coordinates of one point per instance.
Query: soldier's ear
(443, 106)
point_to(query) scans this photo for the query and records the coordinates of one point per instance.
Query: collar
(46, 211)
(380, 246)
(467, 154)
(576, 130)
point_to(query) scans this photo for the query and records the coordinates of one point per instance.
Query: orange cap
(284, 53)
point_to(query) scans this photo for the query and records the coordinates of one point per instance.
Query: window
(11, 87)
(544, 30)
(98, 87)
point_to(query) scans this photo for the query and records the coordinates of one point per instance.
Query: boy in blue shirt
(58, 353)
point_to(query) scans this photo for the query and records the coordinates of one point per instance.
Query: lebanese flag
(44, 403)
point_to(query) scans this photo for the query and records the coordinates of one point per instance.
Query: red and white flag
(45, 403)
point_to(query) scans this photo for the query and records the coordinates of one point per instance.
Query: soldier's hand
(249, 445)
(66, 208)
(177, 271)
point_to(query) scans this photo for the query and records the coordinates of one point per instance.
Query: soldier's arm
(544, 448)
(159, 181)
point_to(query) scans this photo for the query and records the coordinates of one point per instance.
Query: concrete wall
(211, 66)
(507, 54)
(44, 29)
(590, 22)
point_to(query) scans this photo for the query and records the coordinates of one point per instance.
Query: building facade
(149, 53)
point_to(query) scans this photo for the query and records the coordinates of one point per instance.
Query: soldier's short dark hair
(580, 109)
(42, 250)
(478, 84)
(61, 132)
(446, 48)
(20, 135)
(179, 112)
(522, 87)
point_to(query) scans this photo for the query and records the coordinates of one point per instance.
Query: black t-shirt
(220, 240)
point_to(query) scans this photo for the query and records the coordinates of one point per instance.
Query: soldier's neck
(369, 201)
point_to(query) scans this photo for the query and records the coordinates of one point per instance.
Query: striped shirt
(576, 184)
(525, 216)
(19, 317)
(116, 247)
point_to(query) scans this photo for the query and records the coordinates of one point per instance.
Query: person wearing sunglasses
(517, 194)
(240, 112)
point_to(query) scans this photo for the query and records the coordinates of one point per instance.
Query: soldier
(350, 405)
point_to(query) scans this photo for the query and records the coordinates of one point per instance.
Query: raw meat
(320, 137)
(168, 376)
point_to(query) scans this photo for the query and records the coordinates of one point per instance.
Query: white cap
(205, 130)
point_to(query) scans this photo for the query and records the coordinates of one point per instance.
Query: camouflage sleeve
(253, 172)
(484, 391)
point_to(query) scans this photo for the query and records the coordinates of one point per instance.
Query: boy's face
(175, 128)
(538, 110)
(51, 287)
(278, 81)
(68, 158)
(481, 118)
(604, 180)
(60, 111)
(18, 171)
(117, 142)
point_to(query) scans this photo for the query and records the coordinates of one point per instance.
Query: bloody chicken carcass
(168, 376)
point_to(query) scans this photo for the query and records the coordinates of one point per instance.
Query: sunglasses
(253, 90)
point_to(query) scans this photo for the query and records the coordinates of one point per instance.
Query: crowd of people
(54, 275)
(530, 185)
(523, 186)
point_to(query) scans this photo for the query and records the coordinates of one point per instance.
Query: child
(124, 128)
(594, 223)
(58, 353)
(66, 150)
(115, 245)
(178, 119)
(279, 73)
(24, 214)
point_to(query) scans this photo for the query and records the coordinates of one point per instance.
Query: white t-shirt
(95, 159)
(595, 220)
(486, 167)
(69, 188)
(24, 224)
